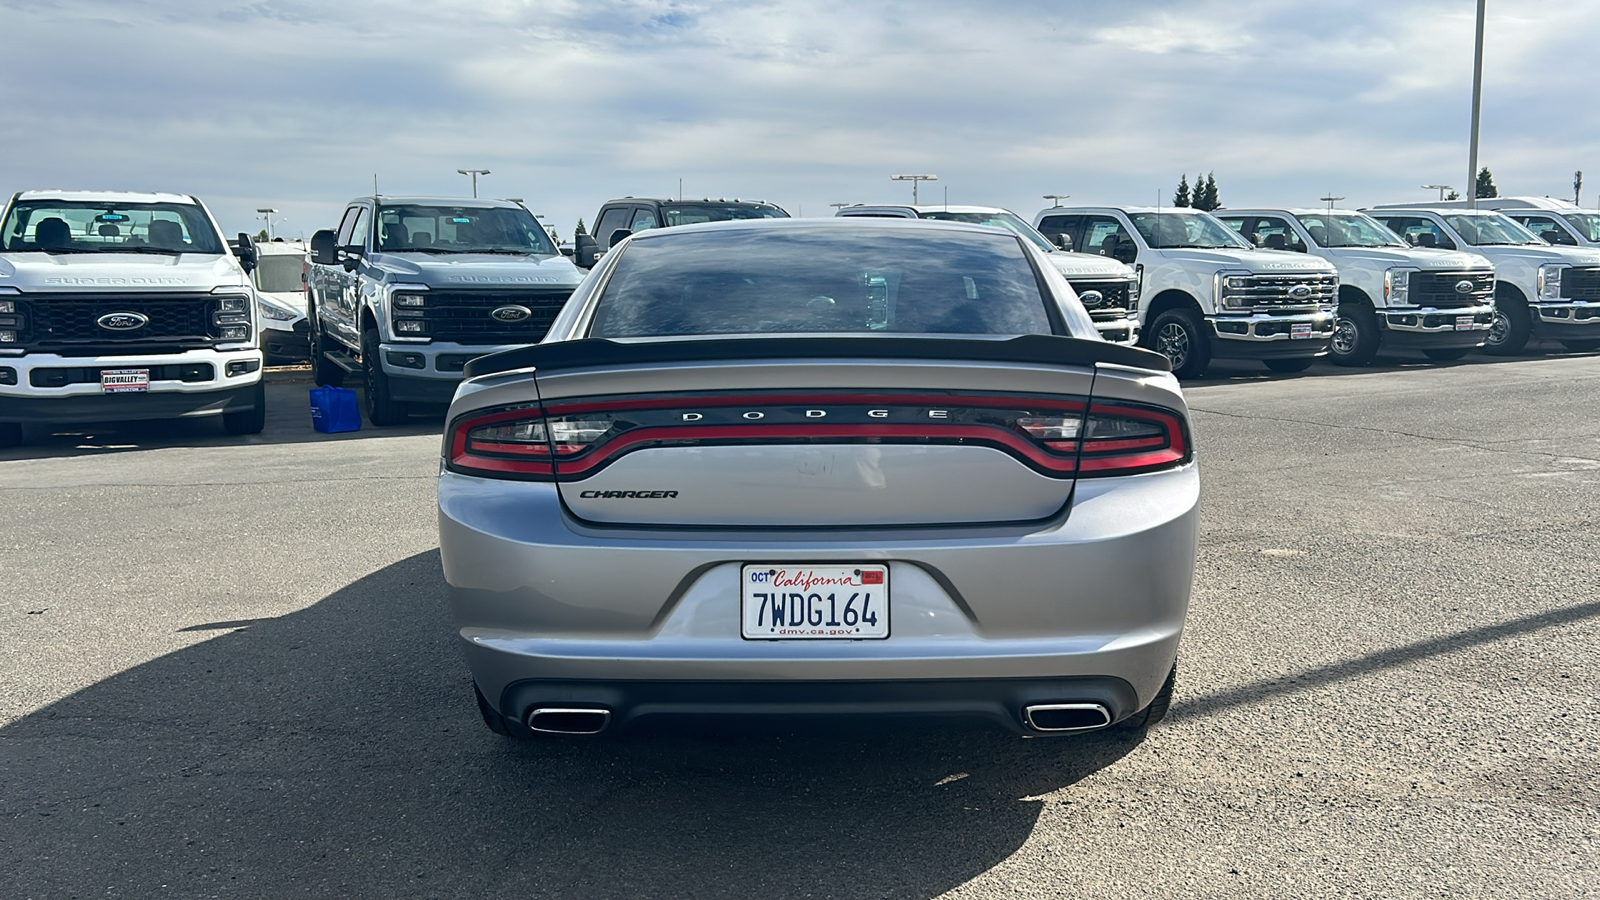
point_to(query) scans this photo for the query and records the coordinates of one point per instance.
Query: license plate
(1298, 332)
(1463, 323)
(124, 381)
(805, 602)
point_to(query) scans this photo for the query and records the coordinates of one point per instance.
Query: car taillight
(522, 441)
(1127, 440)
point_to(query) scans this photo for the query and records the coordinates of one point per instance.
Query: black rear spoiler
(1028, 348)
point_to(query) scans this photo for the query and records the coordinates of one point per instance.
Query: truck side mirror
(618, 236)
(1064, 242)
(247, 253)
(1126, 251)
(585, 251)
(323, 251)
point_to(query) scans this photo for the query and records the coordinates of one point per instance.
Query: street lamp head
(1055, 199)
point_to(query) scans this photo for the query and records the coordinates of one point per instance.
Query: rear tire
(1512, 327)
(1355, 335)
(1581, 346)
(1293, 364)
(1445, 355)
(382, 409)
(10, 434)
(1156, 710)
(1180, 336)
(323, 370)
(250, 421)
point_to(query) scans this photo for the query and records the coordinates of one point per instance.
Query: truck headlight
(410, 326)
(1550, 282)
(410, 300)
(1397, 287)
(1227, 282)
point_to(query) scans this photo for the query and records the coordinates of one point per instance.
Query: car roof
(845, 222)
(482, 202)
(692, 201)
(1080, 210)
(1393, 210)
(923, 208)
(107, 196)
(1293, 211)
(281, 248)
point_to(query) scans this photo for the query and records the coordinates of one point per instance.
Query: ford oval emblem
(1464, 286)
(1092, 299)
(123, 321)
(510, 313)
(1300, 292)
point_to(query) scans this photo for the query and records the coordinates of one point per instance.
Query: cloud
(297, 104)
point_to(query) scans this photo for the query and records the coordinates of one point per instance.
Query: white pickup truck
(1207, 294)
(118, 306)
(1108, 289)
(1390, 294)
(1540, 290)
(1560, 222)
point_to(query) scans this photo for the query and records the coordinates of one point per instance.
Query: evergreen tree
(1205, 193)
(1485, 186)
(261, 235)
(580, 230)
(1181, 198)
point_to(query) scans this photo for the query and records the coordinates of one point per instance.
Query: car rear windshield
(59, 226)
(278, 273)
(822, 280)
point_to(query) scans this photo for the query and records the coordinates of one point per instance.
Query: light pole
(916, 181)
(840, 205)
(266, 215)
(1330, 198)
(1477, 102)
(1055, 199)
(1441, 188)
(474, 173)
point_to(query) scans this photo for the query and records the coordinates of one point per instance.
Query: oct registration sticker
(124, 381)
(789, 602)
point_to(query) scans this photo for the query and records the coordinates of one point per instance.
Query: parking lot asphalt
(228, 671)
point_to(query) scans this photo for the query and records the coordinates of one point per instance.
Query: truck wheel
(1512, 327)
(1355, 335)
(1292, 364)
(323, 370)
(249, 421)
(382, 409)
(10, 434)
(1446, 355)
(1581, 346)
(1157, 708)
(1179, 335)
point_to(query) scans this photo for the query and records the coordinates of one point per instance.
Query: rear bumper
(1270, 336)
(998, 701)
(545, 603)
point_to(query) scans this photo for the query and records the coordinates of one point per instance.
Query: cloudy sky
(296, 104)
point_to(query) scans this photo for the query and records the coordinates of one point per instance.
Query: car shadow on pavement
(288, 422)
(336, 751)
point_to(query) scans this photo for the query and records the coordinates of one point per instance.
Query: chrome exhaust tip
(565, 720)
(1059, 718)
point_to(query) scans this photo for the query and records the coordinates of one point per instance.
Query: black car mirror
(323, 251)
(247, 253)
(1064, 242)
(585, 250)
(618, 236)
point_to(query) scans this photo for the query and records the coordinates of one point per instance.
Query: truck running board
(344, 361)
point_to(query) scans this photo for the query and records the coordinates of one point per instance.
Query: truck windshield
(410, 228)
(1002, 219)
(59, 226)
(1335, 230)
(1588, 225)
(1492, 230)
(695, 213)
(1168, 230)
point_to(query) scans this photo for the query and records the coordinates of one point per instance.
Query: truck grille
(1113, 302)
(174, 320)
(1581, 284)
(1278, 291)
(1438, 289)
(463, 316)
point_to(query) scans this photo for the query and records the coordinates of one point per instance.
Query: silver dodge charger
(820, 468)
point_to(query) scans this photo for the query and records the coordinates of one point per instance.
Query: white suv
(117, 306)
(1390, 294)
(1207, 294)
